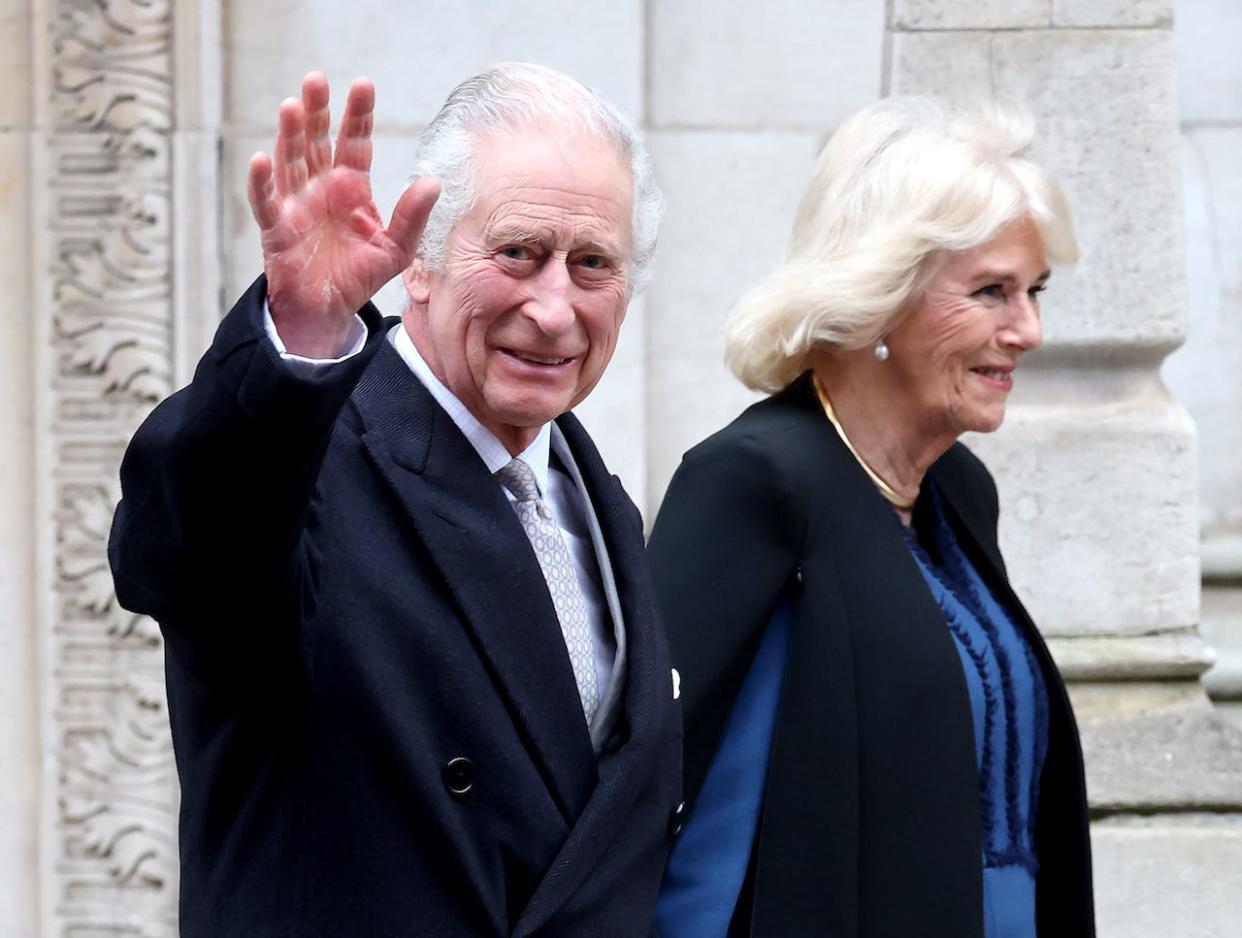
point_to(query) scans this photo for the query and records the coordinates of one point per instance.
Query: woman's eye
(995, 291)
(1034, 292)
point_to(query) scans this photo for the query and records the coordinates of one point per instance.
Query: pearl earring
(881, 350)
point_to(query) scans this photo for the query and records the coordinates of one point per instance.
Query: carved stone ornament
(111, 843)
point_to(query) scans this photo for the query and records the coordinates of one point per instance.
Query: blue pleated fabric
(1009, 703)
(708, 863)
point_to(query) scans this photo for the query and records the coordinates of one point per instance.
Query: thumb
(409, 217)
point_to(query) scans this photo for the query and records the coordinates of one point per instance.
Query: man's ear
(417, 280)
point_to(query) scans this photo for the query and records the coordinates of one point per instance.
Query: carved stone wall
(103, 233)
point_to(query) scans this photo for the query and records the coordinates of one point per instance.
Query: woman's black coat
(871, 818)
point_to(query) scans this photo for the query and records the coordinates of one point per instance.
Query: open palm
(326, 250)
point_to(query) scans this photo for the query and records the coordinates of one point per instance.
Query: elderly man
(416, 681)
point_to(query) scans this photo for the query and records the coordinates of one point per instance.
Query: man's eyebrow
(596, 246)
(515, 234)
(505, 233)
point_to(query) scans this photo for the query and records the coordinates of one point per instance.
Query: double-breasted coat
(376, 724)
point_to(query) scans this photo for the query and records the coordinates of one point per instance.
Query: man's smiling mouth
(532, 359)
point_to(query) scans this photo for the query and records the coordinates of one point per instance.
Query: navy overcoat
(376, 724)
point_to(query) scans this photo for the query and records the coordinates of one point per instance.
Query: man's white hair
(897, 186)
(519, 96)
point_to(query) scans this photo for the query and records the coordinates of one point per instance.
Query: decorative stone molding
(110, 854)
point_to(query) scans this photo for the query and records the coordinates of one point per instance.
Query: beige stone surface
(19, 753)
(616, 411)
(1094, 660)
(15, 87)
(750, 64)
(731, 200)
(1168, 758)
(1168, 877)
(198, 284)
(417, 51)
(970, 14)
(1208, 35)
(1112, 12)
(1203, 373)
(955, 64)
(1098, 523)
(1222, 630)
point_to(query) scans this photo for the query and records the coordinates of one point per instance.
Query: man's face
(523, 318)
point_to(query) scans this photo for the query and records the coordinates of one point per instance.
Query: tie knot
(519, 479)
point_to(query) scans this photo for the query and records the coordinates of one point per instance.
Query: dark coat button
(677, 820)
(458, 775)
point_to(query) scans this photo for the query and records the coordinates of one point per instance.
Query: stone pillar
(1096, 462)
(1204, 373)
(123, 239)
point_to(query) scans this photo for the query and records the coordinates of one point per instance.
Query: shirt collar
(493, 453)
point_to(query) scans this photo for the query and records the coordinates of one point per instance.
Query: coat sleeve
(724, 546)
(217, 482)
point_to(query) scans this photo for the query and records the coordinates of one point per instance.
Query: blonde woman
(877, 741)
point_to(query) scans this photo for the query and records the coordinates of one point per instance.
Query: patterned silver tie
(558, 570)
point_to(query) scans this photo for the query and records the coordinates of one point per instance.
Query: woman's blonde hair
(899, 184)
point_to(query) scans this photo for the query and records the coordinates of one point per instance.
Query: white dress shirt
(555, 484)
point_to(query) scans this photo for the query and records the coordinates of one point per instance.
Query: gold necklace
(891, 495)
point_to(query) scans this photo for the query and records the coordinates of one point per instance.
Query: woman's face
(955, 352)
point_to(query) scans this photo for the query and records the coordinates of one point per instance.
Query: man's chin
(524, 416)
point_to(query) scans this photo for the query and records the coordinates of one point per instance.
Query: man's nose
(551, 307)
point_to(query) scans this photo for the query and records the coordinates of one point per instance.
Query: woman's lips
(997, 377)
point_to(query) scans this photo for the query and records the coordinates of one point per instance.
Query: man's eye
(593, 261)
(517, 252)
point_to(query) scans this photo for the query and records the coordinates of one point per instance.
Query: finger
(409, 217)
(261, 192)
(353, 141)
(318, 120)
(290, 155)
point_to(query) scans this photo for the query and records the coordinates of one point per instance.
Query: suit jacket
(871, 822)
(375, 720)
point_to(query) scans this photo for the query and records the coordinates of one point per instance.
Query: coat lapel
(647, 699)
(969, 518)
(976, 529)
(472, 535)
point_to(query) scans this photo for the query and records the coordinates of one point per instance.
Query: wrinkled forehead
(548, 146)
(552, 176)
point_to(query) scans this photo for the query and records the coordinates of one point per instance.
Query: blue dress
(1009, 703)
(708, 863)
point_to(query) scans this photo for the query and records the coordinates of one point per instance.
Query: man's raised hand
(325, 248)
